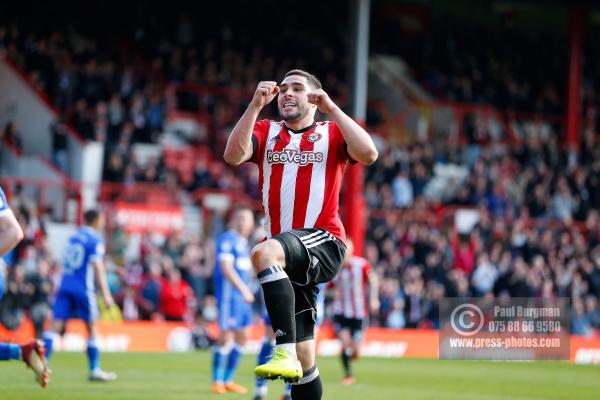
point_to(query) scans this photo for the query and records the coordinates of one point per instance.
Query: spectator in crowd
(175, 294)
(485, 275)
(11, 136)
(40, 288)
(128, 302)
(150, 292)
(402, 190)
(580, 321)
(12, 305)
(60, 145)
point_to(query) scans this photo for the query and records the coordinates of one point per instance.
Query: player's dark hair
(91, 216)
(312, 80)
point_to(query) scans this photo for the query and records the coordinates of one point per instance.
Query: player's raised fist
(321, 99)
(265, 93)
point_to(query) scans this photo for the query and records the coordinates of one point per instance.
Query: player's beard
(297, 116)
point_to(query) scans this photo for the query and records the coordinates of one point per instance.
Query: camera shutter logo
(467, 319)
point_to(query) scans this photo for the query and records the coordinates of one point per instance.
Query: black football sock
(309, 387)
(346, 362)
(279, 299)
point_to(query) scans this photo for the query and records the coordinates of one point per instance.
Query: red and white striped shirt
(350, 288)
(300, 175)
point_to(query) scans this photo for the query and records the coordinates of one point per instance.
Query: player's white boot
(99, 375)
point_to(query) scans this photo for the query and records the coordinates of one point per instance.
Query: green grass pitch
(147, 376)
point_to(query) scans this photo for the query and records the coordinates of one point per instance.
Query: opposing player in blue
(32, 354)
(83, 271)
(266, 350)
(234, 299)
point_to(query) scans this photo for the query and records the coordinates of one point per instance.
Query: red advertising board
(171, 336)
(139, 218)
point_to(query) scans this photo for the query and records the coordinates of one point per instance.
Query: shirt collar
(308, 128)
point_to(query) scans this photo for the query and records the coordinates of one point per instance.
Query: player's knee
(241, 337)
(267, 254)
(226, 338)
(58, 326)
(346, 338)
(91, 329)
(356, 350)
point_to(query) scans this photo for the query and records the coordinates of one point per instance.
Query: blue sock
(218, 366)
(232, 362)
(263, 356)
(93, 354)
(10, 351)
(287, 391)
(48, 338)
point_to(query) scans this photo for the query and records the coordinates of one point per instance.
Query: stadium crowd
(495, 69)
(538, 234)
(538, 228)
(499, 68)
(123, 103)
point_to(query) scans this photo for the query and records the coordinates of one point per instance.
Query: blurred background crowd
(537, 233)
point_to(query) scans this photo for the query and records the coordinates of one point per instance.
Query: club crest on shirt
(314, 137)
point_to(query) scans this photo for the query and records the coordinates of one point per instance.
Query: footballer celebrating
(301, 163)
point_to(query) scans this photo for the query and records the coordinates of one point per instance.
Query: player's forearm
(239, 143)
(234, 278)
(102, 281)
(10, 233)
(360, 145)
(373, 287)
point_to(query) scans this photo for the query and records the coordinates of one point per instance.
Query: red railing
(148, 193)
(161, 195)
(41, 192)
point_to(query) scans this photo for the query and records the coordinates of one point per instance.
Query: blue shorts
(234, 315)
(75, 304)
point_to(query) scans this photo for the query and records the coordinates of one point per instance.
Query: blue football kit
(234, 312)
(76, 297)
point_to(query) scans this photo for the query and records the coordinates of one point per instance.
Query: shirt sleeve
(4, 209)
(259, 139)
(98, 251)
(340, 143)
(225, 250)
